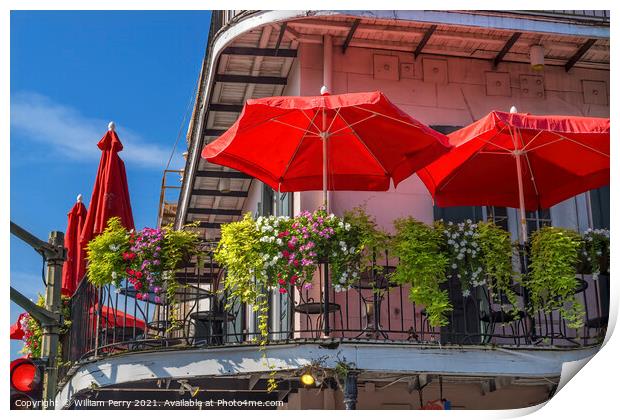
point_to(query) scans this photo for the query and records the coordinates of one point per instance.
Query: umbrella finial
(513, 109)
(79, 198)
(111, 126)
(324, 90)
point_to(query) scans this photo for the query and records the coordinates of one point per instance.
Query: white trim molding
(403, 359)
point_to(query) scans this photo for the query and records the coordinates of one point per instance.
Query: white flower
(347, 226)
(351, 250)
(466, 293)
(114, 275)
(114, 247)
(279, 241)
(341, 224)
(342, 244)
(454, 266)
(460, 257)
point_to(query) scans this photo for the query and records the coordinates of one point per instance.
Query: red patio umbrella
(355, 141)
(111, 318)
(17, 330)
(110, 193)
(75, 265)
(521, 160)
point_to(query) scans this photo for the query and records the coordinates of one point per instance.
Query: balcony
(107, 321)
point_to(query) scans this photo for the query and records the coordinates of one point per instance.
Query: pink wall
(459, 98)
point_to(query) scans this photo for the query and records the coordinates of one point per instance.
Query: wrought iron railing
(109, 320)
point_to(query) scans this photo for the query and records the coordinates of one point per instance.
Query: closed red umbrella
(355, 141)
(75, 264)
(110, 193)
(17, 329)
(521, 160)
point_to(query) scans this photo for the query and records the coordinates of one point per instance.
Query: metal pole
(49, 345)
(324, 137)
(522, 221)
(350, 391)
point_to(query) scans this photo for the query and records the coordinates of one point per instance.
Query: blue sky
(71, 73)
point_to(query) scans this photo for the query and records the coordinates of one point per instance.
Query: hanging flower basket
(147, 259)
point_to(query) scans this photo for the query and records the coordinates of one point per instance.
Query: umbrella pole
(522, 221)
(324, 137)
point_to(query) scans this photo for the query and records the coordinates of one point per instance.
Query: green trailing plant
(552, 281)
(178, 246)
(497, 253)
(422, 265)
(371, 239)
(461, 246)
(246, 279)
(105, 252)
(595, 252)
(33, 332)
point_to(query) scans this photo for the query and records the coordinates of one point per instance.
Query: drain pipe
(350, 391)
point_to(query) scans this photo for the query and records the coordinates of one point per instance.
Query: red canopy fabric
(560, 156)
(75, 264)
(17, 331)
(110, 193)
(111, 318)
(370, 141)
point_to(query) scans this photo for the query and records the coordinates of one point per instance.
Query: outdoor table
(378, 283)
(317, 308)
(184, 294)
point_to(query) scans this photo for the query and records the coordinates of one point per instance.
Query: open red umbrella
(521, 160)
(111, 318)
(75, 265)
(355, 141)
(110, 193)
(17, 329)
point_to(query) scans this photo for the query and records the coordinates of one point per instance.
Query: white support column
(327, 62)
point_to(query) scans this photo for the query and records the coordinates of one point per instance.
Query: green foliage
(497, 253)
(178, 246)
(105, 254)
(595, 253)
(461, 246)
(423, 266)
(237, 252)
(551, 281)
(33, 332)
(365, 232)
(246, 280)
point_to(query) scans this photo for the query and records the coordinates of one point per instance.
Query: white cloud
(75, 136)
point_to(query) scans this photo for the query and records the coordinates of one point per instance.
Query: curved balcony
(108, 321)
